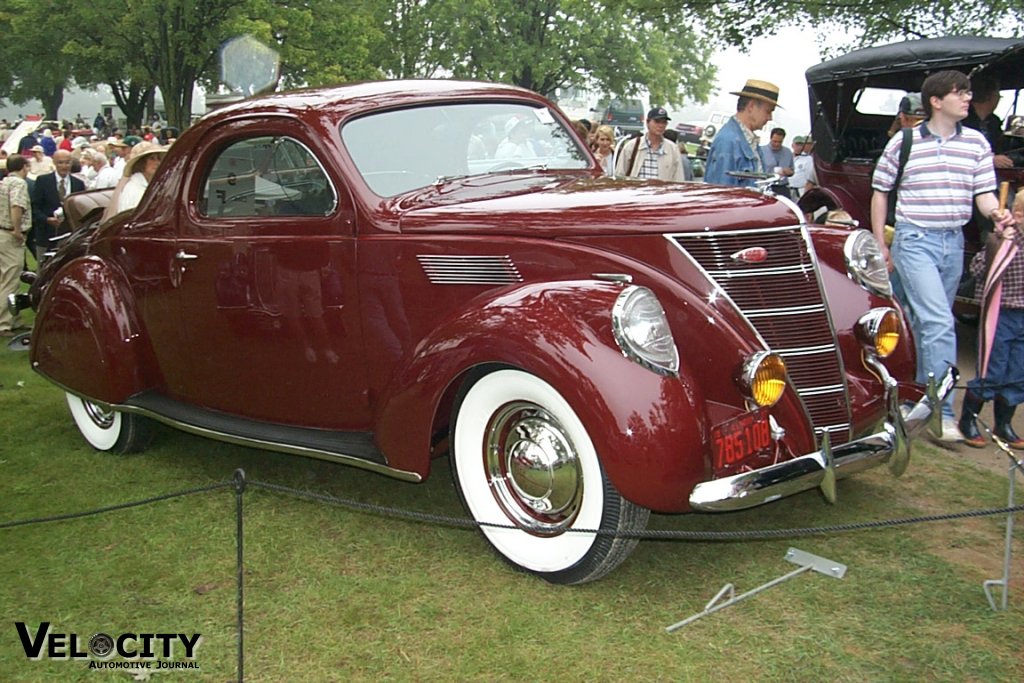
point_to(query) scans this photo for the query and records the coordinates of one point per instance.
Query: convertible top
(931, 54)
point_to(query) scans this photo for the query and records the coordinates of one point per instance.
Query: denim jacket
(730, 152)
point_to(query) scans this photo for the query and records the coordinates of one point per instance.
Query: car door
(265, 281)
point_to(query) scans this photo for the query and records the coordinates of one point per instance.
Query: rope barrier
(240, 484)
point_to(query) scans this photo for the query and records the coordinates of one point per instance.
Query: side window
(266, 176)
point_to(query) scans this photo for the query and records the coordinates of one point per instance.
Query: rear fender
(648, 428)
(87, 337)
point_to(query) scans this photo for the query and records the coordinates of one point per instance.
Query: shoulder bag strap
(908, 135)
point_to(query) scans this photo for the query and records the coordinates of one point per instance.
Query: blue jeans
(930, 263)
(1005, 376)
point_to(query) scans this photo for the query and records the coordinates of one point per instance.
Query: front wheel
(109, 430)
(522, 459)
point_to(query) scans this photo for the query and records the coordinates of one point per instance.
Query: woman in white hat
(139, 170)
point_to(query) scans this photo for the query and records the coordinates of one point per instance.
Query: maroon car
(387, 273)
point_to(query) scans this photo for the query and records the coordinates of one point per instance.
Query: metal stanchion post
(1015, 465)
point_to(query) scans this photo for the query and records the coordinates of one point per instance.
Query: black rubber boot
(1003, 429)
(969, 420)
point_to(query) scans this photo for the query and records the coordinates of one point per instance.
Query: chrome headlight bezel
(641, 330)
(865, 264)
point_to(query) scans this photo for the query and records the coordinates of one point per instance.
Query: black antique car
(854, 99)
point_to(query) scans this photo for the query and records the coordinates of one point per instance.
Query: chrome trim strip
(754, 271)
(818, 391)
(753, 488)
(807, 350)
(340, 458)
(794, 310)
(469, 269)
(831, 428)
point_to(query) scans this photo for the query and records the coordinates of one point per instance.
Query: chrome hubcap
(533, 469)
(103, 419)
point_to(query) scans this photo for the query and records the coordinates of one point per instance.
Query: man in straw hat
(735, 146)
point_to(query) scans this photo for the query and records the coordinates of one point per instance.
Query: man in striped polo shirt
(950, 166)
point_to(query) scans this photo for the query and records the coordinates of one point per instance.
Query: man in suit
(48, 196)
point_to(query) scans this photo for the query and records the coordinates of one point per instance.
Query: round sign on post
(248, 65)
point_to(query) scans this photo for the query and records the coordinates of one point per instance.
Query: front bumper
(820, 469)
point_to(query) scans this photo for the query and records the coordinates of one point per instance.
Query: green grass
(336, 595)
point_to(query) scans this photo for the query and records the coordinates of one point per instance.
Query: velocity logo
(142, 648)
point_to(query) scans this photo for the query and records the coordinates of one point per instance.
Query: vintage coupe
(385, 273)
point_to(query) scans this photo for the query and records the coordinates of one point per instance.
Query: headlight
(865, 264)
(879, 331)
(763, 378)
(641, 331)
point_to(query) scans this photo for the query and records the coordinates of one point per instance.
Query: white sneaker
(950, 430)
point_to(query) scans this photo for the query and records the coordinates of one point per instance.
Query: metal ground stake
(1004, 583)
(807, 561)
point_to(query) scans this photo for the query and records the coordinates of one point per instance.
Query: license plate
(737, 439)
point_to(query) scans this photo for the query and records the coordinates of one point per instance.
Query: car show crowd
(52, 162)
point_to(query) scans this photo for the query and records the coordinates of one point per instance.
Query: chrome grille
(470, 270)
(782, 299)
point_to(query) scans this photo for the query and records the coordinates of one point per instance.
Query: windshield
(401, 150)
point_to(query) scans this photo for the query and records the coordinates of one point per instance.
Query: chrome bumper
(890, 444)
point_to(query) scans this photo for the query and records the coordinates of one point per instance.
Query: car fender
(648, 428)
(87, 337)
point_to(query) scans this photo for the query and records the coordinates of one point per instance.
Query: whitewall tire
(522, 458)
(108, 430)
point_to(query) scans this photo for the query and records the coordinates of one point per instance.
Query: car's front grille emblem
(751, 255)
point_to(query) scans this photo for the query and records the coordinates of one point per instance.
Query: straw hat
(760, 90)
(140, 152)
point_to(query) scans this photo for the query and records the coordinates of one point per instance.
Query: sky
(781, 59)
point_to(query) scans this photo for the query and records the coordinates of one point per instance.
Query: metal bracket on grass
(1004, 583)
(20, 342)
(807, 561)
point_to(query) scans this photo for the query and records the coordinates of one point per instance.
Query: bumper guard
(891, 443)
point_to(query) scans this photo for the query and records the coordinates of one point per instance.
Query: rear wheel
(522, 459)
(109, 430)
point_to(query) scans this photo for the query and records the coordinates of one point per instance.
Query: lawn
(333, 594)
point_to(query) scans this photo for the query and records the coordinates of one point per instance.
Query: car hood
(560, 206)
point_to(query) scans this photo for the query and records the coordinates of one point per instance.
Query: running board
(355, 449)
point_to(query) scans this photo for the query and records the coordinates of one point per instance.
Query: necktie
(61, 189)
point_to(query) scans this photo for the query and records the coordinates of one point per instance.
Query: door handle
(182, 255)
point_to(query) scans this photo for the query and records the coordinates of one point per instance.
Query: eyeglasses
(963, 94)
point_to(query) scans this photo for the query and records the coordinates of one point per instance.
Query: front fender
(87, 337)
(648, 429)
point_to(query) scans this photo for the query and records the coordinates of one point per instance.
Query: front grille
(782, 299)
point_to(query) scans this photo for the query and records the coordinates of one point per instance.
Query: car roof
(369, 95)
(930, 54)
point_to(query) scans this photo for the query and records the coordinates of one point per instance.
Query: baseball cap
(911, 105)
(658, 113)
(799, 139)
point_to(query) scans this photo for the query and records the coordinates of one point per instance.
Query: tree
(33, 69)
(543, 45)
(863, 22)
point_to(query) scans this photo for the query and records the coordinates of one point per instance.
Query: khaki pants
(12, 260)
